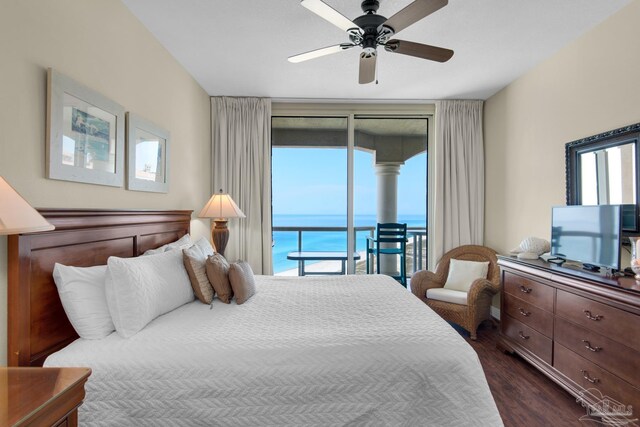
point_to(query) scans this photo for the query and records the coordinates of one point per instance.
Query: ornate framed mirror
(603, 170)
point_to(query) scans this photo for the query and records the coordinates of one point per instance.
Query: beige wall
(588, 87)
(102, 45)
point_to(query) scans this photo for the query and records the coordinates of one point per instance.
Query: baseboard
(495, 312)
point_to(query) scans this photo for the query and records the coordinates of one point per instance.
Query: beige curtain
(241, 138)
(459, 193)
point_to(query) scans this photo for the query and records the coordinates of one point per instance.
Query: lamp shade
(16, 215)
(221, 205)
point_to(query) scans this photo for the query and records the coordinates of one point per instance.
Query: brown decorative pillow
(242, 281)
(218, 273)
(194, 262)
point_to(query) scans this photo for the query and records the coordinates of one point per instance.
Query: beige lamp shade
(16, 215)
(221, 206)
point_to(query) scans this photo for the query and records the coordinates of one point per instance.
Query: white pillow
(141, 289)
(204, 245)
(82, 293)
(463, 273)
(182, 243)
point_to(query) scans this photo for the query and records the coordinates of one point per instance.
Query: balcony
(292, 238)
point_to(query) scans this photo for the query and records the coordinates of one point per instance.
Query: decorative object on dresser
(16, 215)
(466, 308)
(635, 255)
(581, 329)
(220, 207)
(531, 248)
(41, 396)
(85, 134)
(147, 156)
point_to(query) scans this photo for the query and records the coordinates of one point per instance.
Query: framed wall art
(85, 134)
(147, 156)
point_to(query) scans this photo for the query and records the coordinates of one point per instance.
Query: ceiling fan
(372, 30)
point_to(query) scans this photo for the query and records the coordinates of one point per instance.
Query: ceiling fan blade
(367, 68)
(413, 13)
(419, 50)
(319, 52)
(328, 13)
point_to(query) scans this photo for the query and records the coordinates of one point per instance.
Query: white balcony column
(387, 211)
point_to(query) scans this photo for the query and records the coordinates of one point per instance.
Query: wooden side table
(41, 396)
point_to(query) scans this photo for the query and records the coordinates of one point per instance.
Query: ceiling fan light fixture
(371, 30)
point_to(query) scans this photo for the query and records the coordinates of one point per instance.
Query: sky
(313, 181)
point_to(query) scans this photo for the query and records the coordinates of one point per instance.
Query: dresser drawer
(531, 291)
(529, 314)
(528, 337)
(614, 323)
(606, 353)
(578, 369)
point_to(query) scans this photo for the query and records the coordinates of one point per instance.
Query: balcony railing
(416, 247)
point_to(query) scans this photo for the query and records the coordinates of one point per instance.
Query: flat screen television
(588, 234)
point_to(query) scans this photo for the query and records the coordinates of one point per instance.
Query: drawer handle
(523, 336)
(524, 313)
(591, 316)
(525, 290)
(586, 376)
(587, 345)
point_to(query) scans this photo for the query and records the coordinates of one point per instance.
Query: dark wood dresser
(581, 329)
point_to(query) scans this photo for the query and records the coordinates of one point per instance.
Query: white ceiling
(240, 47)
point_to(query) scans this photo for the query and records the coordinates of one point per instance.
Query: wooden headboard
(37, 323)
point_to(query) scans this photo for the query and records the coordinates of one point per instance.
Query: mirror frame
(573, 150)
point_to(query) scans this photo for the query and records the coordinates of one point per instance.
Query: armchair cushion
(463, 273)
(447, 295)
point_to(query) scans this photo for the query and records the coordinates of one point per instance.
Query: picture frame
(85, 134)
(147, 155)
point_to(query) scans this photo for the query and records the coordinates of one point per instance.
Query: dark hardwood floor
(524, 396)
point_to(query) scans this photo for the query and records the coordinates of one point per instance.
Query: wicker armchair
(480, 294)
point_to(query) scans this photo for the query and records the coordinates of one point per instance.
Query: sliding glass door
(309, 192)
(390, 177)
(325, 169)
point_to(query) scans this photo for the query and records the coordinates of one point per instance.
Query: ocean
(287, 241)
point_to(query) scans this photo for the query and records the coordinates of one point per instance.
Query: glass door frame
(351, 111)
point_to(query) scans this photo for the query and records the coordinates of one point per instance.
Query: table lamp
(220, 207)
(16, 215)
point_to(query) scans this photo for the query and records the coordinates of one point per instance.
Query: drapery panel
(459, 194)
(241, 139)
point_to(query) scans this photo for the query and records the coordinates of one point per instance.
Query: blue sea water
(287, 241)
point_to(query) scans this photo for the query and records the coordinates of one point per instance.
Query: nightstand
(41, 396)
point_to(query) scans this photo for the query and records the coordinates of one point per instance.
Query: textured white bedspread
(343, 350)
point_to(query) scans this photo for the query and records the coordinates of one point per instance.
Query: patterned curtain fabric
(241, 138)
(459, 192)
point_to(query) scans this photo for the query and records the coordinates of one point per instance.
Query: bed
(342, 350)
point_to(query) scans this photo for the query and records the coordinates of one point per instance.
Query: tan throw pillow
(195, 263)
(218, 274)
(242, 281)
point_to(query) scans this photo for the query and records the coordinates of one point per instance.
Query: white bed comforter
(346, 350)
